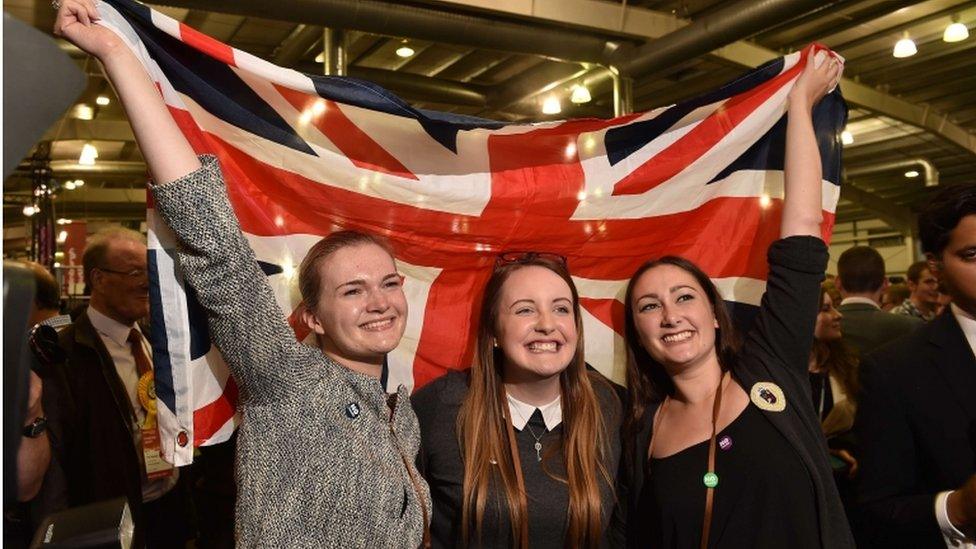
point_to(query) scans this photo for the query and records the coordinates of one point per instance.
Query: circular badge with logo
(768, 396)
(353, 410)
(710, 479)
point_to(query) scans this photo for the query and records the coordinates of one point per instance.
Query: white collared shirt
(860, 301)
(953, 537)
(552, 413)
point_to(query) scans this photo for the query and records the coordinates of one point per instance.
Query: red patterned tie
(138, 352)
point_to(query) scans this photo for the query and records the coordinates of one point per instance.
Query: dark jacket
(91, 419)
(866, 328)
(916, 423)
(777, 349)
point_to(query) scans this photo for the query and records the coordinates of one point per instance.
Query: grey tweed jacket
(320, 460)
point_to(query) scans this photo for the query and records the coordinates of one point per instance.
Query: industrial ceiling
(501, 59)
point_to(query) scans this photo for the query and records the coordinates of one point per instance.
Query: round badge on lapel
(768, 396)
(353, 410)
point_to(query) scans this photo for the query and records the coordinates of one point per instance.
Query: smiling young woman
(324, 456)
(724, 447)
(522, 451)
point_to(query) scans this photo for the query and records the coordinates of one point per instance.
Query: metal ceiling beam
(415, 86)
(931, 172)
(422, 23)
(897, 217)
(100, 130)
(294, 47)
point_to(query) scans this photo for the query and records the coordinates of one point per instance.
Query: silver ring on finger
(56, 4)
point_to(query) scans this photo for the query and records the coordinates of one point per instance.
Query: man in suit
(106, 400)
(861, 282)
(916, 420)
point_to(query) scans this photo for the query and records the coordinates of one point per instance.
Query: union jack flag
(307, 155)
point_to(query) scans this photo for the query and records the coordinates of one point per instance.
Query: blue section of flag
(158, 339)
(624, 141)
(211, 83)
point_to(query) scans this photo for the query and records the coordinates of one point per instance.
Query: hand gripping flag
(307, 155)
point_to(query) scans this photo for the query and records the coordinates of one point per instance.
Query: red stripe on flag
(450, 319)
(685, 151)
(209, 419)
(359, 147)
(212, 47)
(608, 311)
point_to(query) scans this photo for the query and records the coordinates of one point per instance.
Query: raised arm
(802, 202)
(245, 320)
(167, 152)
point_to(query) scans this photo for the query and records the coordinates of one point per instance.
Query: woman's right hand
(76, 23)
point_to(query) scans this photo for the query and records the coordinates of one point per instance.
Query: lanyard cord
(710, 490)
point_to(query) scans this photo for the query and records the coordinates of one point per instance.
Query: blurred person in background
(924, 287)
(894, 296)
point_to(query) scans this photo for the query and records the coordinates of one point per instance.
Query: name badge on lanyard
(156, 466)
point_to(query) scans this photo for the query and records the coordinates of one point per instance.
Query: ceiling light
(62, 237)
(905, 47)
(581, 94)
(64, 221)
(30, 210)
(956, 31)
(320, 58)
(102, 100)
(405, 51)
(911, 173)
(88, 155)
(846, 137)
(70, 185)
(81, 182)
(84, 112)
(551, 105)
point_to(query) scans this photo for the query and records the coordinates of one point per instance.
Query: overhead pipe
(931, 172)
(389, 19)
(731, 23)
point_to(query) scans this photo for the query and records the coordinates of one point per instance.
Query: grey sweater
(320, 460)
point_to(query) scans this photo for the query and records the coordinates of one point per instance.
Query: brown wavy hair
(487, 439)
(647, 380)
(835, 357)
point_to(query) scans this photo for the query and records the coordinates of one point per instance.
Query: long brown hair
(647, 380)
(834, 357)
(487, 439)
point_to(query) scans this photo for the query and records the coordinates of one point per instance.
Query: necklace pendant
(538, 451)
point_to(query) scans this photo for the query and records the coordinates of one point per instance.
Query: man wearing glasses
(110, 443)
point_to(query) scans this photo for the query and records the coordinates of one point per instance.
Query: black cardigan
(776, 350)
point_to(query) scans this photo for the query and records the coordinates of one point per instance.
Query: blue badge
(353, 410)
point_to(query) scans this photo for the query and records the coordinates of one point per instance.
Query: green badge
(710, 480)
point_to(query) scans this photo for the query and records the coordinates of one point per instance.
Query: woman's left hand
(849, 459)
(815, 81)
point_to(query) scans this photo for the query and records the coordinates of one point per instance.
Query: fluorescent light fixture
(905, 47)
(81, 182)
(102, 100)
(955, 32)
(581, 94)
(88, 155)
(64, 221)
(846, 137)
(70, 185)
(551, 105)
(84, 112)
(405, 51)
(911, 173)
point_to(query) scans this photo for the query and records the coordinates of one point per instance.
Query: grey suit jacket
(865, 328)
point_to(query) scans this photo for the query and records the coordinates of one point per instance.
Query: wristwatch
(35, 428)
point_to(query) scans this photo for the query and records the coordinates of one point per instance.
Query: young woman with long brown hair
(522, 450)
(726, 447)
